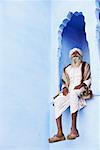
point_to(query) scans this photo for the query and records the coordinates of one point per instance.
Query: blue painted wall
(25, 53)
(24, 74)
(88, 118)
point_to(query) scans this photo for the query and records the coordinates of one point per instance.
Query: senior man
(76, 81)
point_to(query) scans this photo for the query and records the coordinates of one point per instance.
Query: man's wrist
(83, 84)
(65, 88)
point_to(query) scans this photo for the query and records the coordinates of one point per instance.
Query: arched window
(72, 34)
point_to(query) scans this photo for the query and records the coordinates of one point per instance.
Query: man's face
(76, 58)
(75, 54)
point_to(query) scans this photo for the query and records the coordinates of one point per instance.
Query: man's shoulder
(67, 67)
(84, 63)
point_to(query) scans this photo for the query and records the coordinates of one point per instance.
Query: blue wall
(24, 75)
(88, 119)
(25, 42)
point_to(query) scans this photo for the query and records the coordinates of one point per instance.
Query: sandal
(55, 138)
(72, 136)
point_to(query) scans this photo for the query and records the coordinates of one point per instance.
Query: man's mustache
(75, 56)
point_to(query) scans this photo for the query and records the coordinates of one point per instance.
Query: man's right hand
(65, 91)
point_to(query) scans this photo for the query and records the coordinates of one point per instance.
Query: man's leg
(61, 103)
(59, 136)
(74, 109)
(74, 122)
(59, 126)
(74, 132)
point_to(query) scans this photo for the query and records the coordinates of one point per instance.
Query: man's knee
(58, 100)
(73, 99)
(73, 94)
(74, 106)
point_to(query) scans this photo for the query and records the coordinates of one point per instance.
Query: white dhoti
(73, 76)
(72, 100)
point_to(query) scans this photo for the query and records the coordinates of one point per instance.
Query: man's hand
(65, 91)
(79, 86)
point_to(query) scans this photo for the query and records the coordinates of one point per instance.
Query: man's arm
(65, 82)
(86, 77)
(80, 85)
(65, 78)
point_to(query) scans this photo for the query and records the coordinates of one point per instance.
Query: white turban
(75, 49)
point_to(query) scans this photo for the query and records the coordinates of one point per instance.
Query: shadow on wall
(71, 34)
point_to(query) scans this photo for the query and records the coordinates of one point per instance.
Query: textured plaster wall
(24, 74)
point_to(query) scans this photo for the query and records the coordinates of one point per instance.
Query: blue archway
(72, 34)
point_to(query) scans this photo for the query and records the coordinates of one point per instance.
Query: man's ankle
(60, 133)
(74, 130)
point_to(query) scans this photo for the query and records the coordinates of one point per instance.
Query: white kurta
(72, 99)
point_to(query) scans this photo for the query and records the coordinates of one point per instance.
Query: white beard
(76, 61)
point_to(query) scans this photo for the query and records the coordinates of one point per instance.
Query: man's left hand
(79, 86)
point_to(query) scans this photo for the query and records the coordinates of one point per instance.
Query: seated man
(76, 81)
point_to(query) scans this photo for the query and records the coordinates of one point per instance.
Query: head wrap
(75, 49)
